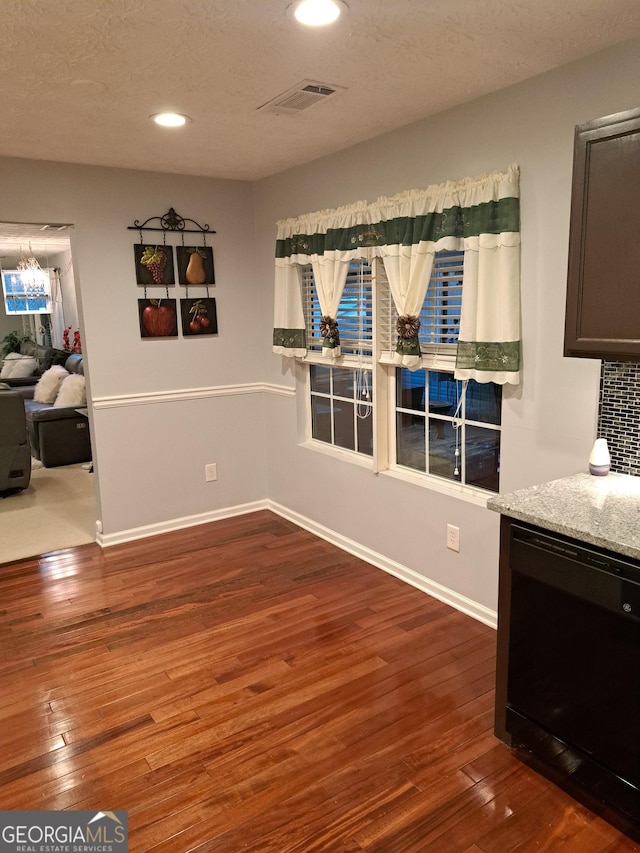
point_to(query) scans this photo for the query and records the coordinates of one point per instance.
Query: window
(440, 312)
(342, 407)
(355, 313)
(448, 428)
(438, 426)
(440, 315)
(341, 397)
(442, 427)
(26, 292)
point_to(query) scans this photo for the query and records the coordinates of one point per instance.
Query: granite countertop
(603, 511)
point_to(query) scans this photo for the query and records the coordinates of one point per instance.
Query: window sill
(437, 360)
(470, 494)
(339, 453)
(344, 360)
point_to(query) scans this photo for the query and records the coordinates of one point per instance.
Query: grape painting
(155, 260)
(154, 265)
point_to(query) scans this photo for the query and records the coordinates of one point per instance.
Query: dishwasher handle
(578, 570)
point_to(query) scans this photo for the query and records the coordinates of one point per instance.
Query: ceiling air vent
(300, 97)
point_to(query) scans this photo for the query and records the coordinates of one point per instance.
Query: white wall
(549, 423)
(150, 452)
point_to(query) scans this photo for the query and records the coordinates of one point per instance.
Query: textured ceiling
(80, 77)
(19, 240)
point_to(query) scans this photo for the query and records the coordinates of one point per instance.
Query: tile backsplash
(619, 414)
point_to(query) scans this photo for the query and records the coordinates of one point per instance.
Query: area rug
(57, 510)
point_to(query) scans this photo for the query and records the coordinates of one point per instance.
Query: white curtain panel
(326, 240)
(407, 258)
(331, 267)
(289, 336)
(480, 215)
(489, 336)
(57, 311)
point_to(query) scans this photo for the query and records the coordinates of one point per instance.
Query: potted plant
(11, 343)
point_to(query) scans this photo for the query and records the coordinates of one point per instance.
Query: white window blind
(355, 312)
(440, 312)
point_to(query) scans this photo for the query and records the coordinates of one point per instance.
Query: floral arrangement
(67, 345)
(329, 330)
(408, 326)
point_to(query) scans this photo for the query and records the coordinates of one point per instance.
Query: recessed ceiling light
(170, 119)
(317, 13)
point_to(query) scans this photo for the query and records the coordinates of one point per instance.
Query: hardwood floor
(245, 686)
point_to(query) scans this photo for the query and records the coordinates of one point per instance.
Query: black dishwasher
(573, 682)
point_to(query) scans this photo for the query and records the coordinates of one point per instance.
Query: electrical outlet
(211, 472)
(453, 537)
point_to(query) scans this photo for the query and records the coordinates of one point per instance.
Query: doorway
(59, 507)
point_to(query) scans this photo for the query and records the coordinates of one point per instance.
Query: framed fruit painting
(198, 317)
(195, 265)
(158, 318)
(154, 264)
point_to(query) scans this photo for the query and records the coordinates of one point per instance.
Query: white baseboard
(442, 593)
(105, 540)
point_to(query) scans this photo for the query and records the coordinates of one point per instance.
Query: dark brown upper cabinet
(603, 288)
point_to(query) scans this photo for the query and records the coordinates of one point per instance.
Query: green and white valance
(489, 337)
(479, 215)
(316, 239)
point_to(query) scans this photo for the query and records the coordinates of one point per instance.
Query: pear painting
(195, 266)
(195, 272)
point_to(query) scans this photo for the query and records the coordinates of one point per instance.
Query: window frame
(393, 409)
(10, 295)
(434, 357)
(332, 446)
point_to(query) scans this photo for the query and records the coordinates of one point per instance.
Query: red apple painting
(158, 318)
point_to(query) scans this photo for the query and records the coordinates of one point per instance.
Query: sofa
(15, 457)
(36, 358)
(59, 434)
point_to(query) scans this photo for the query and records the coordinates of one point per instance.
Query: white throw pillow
(49, 384)
(8, 364)
(24, 366)
(72, 392)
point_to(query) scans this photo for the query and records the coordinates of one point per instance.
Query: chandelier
(33, 277)
(30, 262)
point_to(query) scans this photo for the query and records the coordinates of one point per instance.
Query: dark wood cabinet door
(603, 289)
